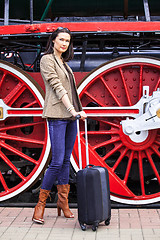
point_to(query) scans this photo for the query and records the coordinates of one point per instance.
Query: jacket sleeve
(49, 74)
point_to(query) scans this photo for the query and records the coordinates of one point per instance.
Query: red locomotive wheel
(24, 141)
(133, 162)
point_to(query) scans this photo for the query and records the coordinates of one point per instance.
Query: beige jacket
(57, 84)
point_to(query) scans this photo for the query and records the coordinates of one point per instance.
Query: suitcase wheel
(83, 227)
(107, 222)
(94, 227)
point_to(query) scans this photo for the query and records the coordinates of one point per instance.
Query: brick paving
(126, 224)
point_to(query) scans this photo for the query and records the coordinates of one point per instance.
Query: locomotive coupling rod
(6, 111)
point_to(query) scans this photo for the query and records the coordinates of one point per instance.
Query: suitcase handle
(78, 116)
(79, 142)
(89, 165)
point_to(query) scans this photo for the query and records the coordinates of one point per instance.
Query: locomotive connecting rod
(149, 119)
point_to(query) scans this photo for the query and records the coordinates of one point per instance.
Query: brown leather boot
(39, 208)
(62, 203)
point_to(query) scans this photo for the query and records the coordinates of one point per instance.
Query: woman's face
(61, 42)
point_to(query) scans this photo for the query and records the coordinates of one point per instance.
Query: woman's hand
(71, 109)
(81, 113)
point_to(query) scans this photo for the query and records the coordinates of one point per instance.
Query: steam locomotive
(117, 70)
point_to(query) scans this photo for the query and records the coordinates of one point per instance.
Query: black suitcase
(93, 193)
(93, 197)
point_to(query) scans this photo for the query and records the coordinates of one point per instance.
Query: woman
(61, 106)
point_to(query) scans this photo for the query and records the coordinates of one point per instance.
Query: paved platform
(126, 224)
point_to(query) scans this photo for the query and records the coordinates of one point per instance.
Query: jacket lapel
(61, 65)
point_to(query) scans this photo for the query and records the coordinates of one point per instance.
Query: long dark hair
(68, 55)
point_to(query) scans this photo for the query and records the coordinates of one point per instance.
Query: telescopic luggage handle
(79, 142)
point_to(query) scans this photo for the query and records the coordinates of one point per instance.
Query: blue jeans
(62, 134)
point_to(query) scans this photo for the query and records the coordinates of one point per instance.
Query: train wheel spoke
(153, 166)
(32, 104)
(114, 150)
(93, 99)
(14, 150)
(21, 139)
(2, 79)
(10, 164)
(2, 129)
(3, 182)
(157, 85)
(14, 94)
(141, 173)
(111, 124)
(119, 159)
(128, 167)
(155, 150)
(140, 81)
(125, 86)
(110, 91)
(113, 140)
